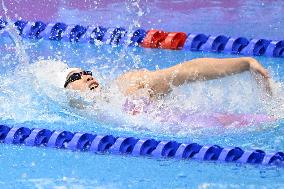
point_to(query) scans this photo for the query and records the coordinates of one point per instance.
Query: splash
(13, 33)
(37, 94)
(30, 93)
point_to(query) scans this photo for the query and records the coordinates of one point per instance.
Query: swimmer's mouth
(93, 85)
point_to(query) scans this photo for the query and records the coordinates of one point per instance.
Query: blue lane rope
(116, 36)
(81, 141)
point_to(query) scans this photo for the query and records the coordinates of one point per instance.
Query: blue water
(248, 18)
(30, 101)
(42, 168)
(35, 106)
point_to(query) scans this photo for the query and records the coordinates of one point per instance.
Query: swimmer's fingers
(262, 71)
(257, 67)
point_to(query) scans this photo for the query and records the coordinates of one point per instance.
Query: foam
(51, 71)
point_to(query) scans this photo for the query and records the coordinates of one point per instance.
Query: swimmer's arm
(210, 68)
(201, 69)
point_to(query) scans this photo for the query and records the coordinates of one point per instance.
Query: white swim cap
(53, 72)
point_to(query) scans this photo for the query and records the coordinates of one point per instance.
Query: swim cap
(52, 72)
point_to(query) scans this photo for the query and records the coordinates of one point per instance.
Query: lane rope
(148, 38)
(81, 141)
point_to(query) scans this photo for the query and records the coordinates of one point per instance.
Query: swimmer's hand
(256, 67)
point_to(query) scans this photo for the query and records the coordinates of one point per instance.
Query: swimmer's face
(81, 81)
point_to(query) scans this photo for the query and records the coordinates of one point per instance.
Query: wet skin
(160, 81)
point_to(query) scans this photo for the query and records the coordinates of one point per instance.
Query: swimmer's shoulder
(132, 81)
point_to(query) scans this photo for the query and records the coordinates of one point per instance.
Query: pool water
(29, 98)
(48, 168)
(24, 101)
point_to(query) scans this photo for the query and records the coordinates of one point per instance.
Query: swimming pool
(33, 103)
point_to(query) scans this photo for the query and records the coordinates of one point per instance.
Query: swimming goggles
(76, 76)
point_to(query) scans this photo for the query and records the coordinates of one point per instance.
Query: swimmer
(160, 82)
(157, 83)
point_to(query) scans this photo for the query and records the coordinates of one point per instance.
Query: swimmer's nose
(90, 79)
(92, 82)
